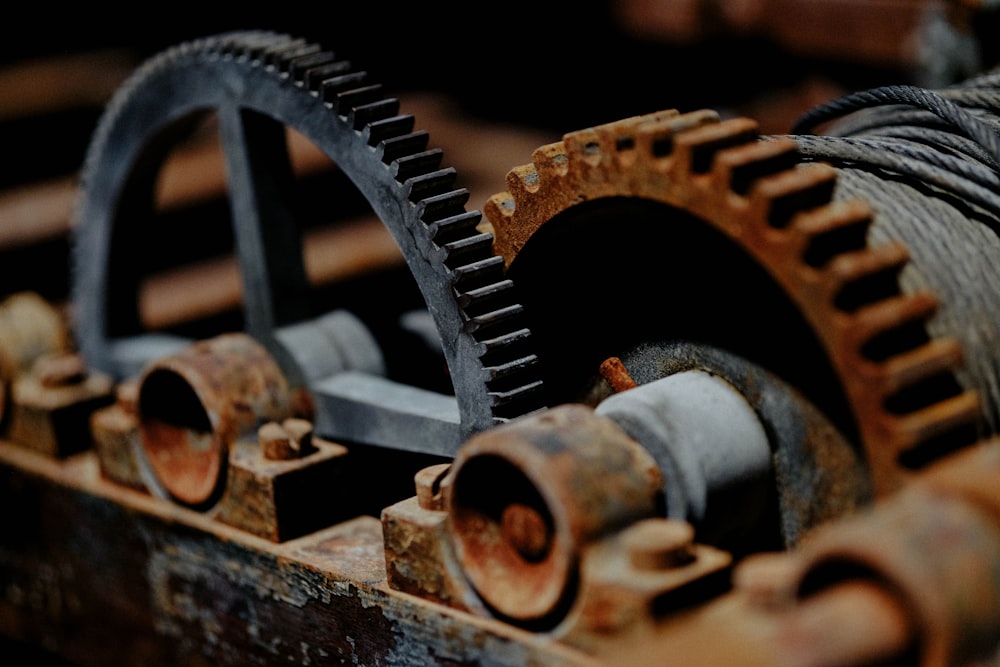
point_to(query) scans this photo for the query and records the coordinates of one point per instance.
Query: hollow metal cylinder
(194, 404)
(936, 553)
(525, 497)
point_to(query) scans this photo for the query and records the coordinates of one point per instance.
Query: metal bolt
(524, 528)
(614, 371)
(768, 579)
(276, 443)
(428, 483)
(301, 433)
(658, 544)
(61, 370)
(127, 396)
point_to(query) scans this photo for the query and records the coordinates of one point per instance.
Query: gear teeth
(947, 428)
(909, 369)
(899, 380)
(922, 378)
(841, 227)
(447, 205)
(927, 435)
(507, 376)
(605, 144)
(481, 326)
(395, 148)
(468, 250)
(417, 164)
(346, 101)
(500, 208)
(505, 345)
(365, 114)
(299, 67)
(460, 276)
(273, 56)
(893, 326)
(867, 276)
(784, 195)
(739, 168)
(330, 87)
(478, 274)
(314, 77)
(453, 227)
(253, 47)
(522, 400)
(701, 145)
(283, 62)
(654, 138)
(429, 185)
(523, 181)
(486, 325)
(551, 159)
(619, 138)
(478, 300)
(387, 128)
(599, 160)
(511, 368)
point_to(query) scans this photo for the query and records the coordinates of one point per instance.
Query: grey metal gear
(260, 83)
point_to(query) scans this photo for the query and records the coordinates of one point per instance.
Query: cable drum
(928, 164)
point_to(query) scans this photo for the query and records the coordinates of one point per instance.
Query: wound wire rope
(927, 162)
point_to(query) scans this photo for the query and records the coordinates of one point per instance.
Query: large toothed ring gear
(683, 232)
(258, 84)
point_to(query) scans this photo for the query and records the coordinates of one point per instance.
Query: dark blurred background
(544, 68)
(563, 65)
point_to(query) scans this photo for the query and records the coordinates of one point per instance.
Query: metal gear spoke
(259, 173)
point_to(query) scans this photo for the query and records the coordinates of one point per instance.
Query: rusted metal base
(54, 421)
(104, 575)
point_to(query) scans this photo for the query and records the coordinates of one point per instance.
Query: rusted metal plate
(50, 412)
(103, 575)
(279, 500)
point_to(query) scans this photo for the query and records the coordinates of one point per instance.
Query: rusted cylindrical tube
(856, 622)
(194, 404)
(523, 499)
(932, 551)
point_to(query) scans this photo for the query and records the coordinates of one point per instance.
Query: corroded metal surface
(524, 499)
(635, 577)
(679, 172)
(912, 580)
(281, 499)
(115, 430)
(193, 405)
(51, 405)
(87, 565)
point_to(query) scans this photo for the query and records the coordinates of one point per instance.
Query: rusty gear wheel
(681, 227)
(259, 84)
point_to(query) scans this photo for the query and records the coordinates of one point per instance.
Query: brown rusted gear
(896, 382)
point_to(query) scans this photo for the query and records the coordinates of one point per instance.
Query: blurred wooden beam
(65, 81)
